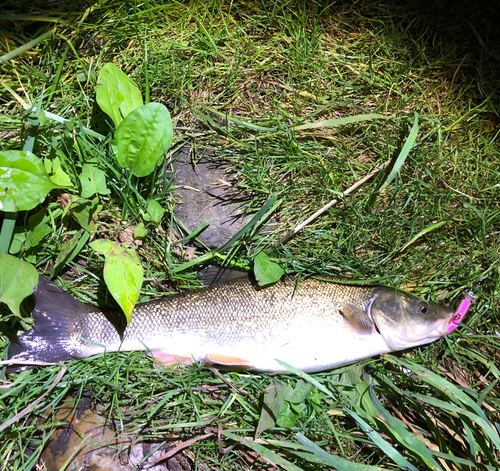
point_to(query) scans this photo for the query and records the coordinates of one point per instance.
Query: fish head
(406, 321)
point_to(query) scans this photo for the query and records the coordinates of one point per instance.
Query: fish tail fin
(57, 317)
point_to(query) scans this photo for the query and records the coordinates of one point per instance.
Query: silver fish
(313, 325)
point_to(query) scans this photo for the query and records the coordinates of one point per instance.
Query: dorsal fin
(212, 274)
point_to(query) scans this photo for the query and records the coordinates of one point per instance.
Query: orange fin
(226, 360)
(169, 359)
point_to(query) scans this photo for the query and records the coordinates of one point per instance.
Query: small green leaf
(265, 270)
(154, 212)
(17, 281)
(103, 246)
(24, 183)
(123, 273)
(142, 139)
(117, 94)
(17, 241)
(140, 231)
(57, 174)
(93, 181)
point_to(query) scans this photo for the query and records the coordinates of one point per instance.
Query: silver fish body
(312, 325)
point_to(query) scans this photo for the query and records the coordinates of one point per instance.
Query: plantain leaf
(24, 182)
(17, 281)
(117, 94)
(142, 139)
(123, 273)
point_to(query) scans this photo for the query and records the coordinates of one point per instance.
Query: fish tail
(58, 318)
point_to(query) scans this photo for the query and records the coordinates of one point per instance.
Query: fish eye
(424, 308)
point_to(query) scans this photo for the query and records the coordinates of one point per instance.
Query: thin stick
(327, 206)
(180, 447)
(32, 406)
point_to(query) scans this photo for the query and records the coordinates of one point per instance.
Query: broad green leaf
(271, 405)
(56, 173)
(93, 181)
(265, 270)
(85, 212)
(286, 417)
(18, 279)
(123, 273)
(300, 392)
(117, 94)
(154, 212)
(37, 235)
(142, 139)
(24, 183)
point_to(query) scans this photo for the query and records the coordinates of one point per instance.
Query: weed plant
(246, 79)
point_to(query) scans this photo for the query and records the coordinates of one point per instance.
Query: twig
(180, 447)
(25, 362)
(231, 385)
(35, 403)
(327, 206)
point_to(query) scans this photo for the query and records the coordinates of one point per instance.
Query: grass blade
(265, 452)
(385, 446)
(331, 460)
(339, 121)
(421, 233)
(403, 435)
(405, 151)
(25, 47)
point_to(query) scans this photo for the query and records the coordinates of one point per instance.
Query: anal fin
(220, 359)
(170, 359)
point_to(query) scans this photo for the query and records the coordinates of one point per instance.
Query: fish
(311, 324)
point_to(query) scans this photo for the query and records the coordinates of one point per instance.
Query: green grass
(240, 78)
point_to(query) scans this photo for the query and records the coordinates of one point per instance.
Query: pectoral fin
(220, 359)
(169, 359)
(358, 318)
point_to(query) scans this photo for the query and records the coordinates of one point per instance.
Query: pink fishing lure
(461, 311)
